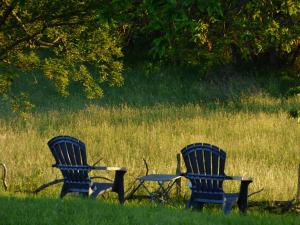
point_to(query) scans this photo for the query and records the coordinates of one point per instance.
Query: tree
(82, 41)
(67, 40)
(217, 31)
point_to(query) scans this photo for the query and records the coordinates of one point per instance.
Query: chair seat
(209, 198)
(100, 188)
(231, 195)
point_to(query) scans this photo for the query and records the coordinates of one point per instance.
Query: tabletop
(159, 177)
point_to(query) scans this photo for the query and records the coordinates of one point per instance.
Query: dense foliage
(84, 40)
(200, 31)
(66, 40)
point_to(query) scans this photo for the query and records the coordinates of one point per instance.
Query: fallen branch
(43, 186)
(132, 186)
(4, 176)
(104, 178)
(146, 165)
(287, 206)
(298, 188)
(275, 206)
(57, 181)
(256, 192)
(95, 163)
(283, 206)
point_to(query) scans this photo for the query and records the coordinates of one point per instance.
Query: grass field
(28, 211)
(154, 117)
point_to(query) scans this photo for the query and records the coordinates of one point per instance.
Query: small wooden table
(165, 183)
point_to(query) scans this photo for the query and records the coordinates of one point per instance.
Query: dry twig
(4, 176)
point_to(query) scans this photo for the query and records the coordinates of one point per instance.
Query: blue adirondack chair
(205, 164)
(70, 157)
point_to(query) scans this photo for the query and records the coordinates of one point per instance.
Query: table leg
(162, 191)
(165, 191)
(129, 196)
(151, 195)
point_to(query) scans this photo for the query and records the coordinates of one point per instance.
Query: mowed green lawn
(29, 211)
(154, 118)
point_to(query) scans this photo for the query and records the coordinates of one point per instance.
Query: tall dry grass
(261, 145)
(154, 118)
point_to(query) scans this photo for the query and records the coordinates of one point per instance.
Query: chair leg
(243, 196)
(189, 202)
(95, 193)
(118, 185)
(227, 205)
(121, 195)
(62, 193)
(198, 206)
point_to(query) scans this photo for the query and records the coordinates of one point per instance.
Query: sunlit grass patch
(154, 118)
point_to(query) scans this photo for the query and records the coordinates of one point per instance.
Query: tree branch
(31, 36)
(8, 11)
(49, 44)
(14, 44)
(295, 54)
(72, 16)
(18, 20)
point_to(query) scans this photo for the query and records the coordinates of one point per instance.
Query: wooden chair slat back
(204, 159)
(69, 151)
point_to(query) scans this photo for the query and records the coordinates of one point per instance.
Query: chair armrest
(72, 167)
(208, 177)
(239, 178)
(216, 177)
(108, 168)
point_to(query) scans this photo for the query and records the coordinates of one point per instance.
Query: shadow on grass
(226, 92)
